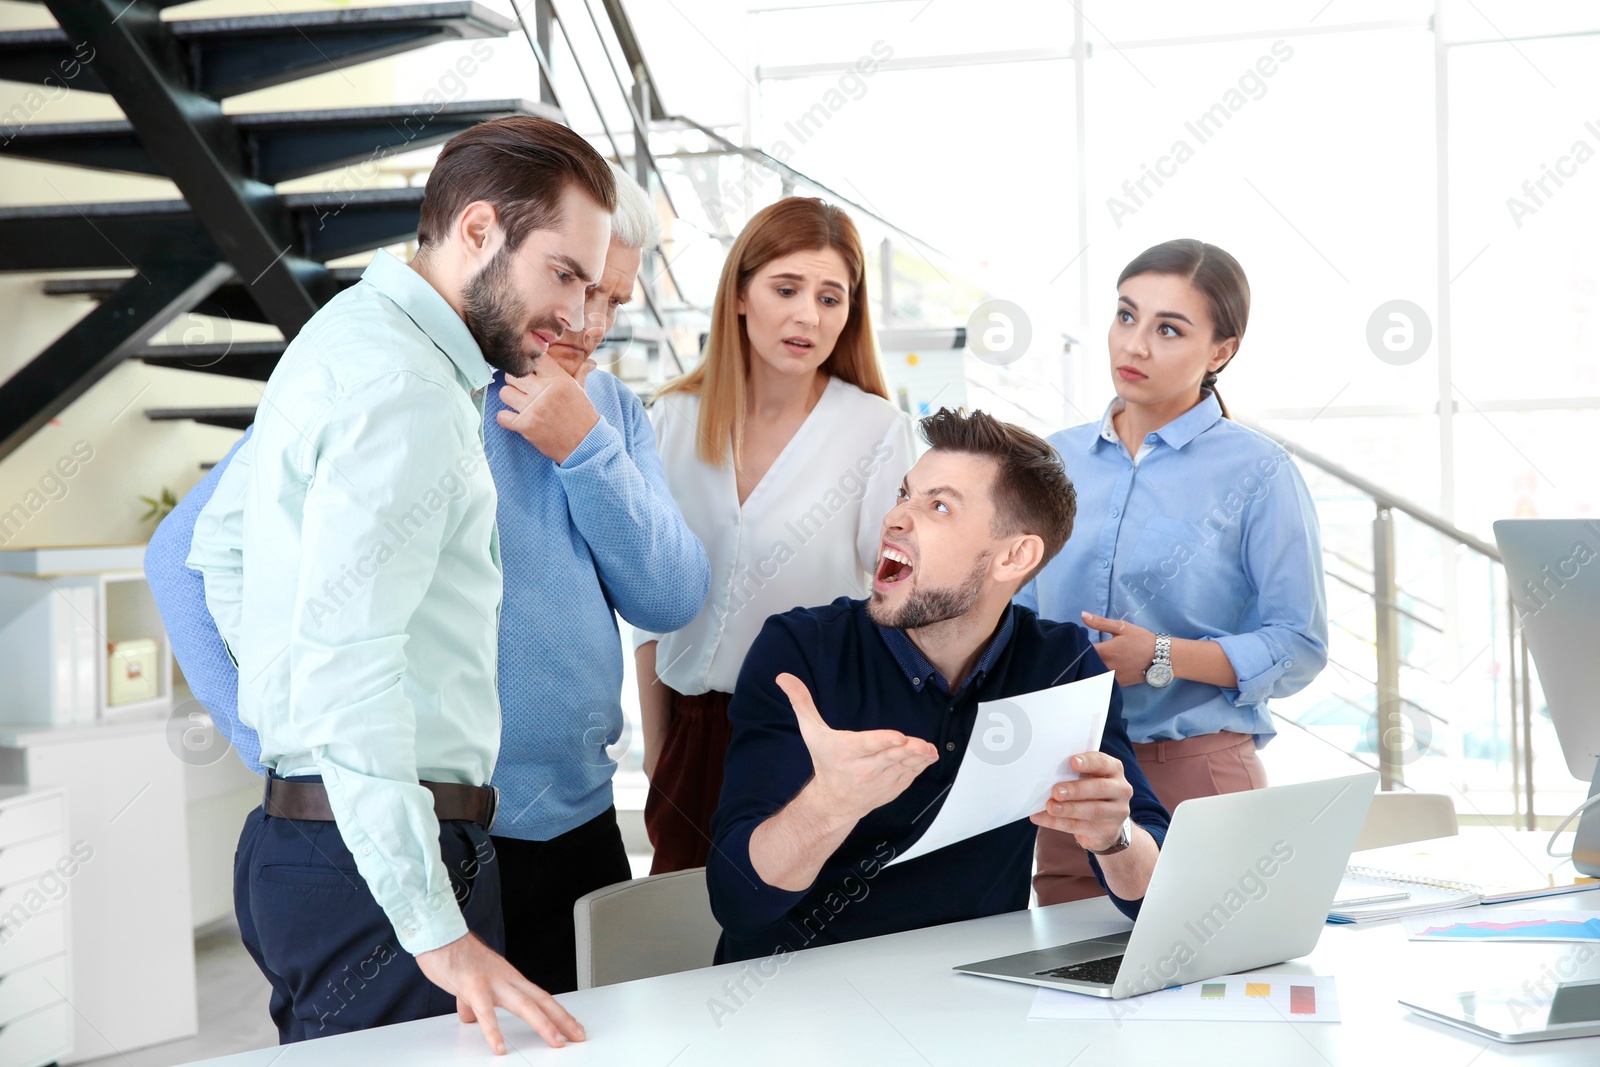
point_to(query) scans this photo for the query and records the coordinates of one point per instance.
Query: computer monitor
(1553, 567)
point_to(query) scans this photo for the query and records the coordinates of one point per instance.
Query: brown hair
(521, 165)
(793, 224)
(1031, 490)
(1220, 280)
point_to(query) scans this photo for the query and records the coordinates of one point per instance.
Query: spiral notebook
(1485, 866)
(1421, 894)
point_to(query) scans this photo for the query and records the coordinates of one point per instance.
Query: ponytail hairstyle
(1220, 280)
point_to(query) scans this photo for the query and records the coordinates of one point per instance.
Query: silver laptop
(1244, 880)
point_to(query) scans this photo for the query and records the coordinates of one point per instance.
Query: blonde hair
(793, 224)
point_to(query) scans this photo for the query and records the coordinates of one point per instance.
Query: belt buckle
(494, 808)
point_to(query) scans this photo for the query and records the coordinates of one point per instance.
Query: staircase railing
(639, 97)
(1403, 728)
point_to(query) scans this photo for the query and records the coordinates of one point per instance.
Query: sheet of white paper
(1019, 750)
(1258, 997)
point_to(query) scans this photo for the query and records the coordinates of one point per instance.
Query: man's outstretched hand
(854, 772)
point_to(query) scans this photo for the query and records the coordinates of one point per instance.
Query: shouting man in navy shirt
(849, 721)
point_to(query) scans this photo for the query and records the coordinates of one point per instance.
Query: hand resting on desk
(482, 980)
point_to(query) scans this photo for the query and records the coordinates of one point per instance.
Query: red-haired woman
(784, 453)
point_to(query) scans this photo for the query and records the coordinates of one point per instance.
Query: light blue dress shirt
(364, 625)
(1209, 533)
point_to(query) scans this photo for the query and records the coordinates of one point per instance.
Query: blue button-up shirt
(364, 625)
(1208, 533)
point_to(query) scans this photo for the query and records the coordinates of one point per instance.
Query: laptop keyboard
(1101, 971)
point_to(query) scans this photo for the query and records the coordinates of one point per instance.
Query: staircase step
(252, 360)
(277, 145)
(99, 286)
(229, 56)
(336, 223)
(113, 236)
(229, 301)
(229, 418)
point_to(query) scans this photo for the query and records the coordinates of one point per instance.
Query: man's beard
(495, 318)
(925, 607)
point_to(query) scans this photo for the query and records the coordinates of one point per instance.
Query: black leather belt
(290, 798)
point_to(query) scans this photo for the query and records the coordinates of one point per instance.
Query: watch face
(1158, 675)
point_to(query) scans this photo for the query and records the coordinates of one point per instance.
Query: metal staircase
(233, 245)
(275, 146)
(237, 249)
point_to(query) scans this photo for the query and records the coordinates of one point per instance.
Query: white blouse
(807, 534)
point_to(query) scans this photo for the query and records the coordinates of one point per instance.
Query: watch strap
(1163, 649)
(1123, 841)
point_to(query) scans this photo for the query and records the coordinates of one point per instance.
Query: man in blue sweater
(850, 721)
(587, 527)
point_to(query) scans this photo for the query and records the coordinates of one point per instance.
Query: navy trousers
(307, 918)
(540, 881)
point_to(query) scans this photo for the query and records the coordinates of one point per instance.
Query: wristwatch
(1159, 673)
(1124, 839)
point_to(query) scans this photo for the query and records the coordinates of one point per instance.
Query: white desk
(894, 1000)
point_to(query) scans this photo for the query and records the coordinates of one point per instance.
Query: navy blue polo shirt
(865, 677)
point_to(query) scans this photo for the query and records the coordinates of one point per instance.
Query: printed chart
(1506, 925)
(1259, 997)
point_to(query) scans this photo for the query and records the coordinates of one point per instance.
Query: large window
(1306, 138)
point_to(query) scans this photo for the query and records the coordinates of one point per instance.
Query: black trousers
(330, 953)
(539, 883)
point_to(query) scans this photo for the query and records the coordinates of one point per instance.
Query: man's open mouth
(893, 567)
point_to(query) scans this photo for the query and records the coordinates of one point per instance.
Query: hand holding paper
(1092, 808)
(1019, 753)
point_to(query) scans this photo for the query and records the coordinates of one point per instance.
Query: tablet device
(1519, 1013)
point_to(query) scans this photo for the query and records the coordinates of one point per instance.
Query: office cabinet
(130, 943)
(37, 873)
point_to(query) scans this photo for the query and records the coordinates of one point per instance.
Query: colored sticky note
(1214, 990)
(1258, 989)
(1302, 1000)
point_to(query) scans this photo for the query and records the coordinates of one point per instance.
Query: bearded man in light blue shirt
(588, 532)
(364, 625)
